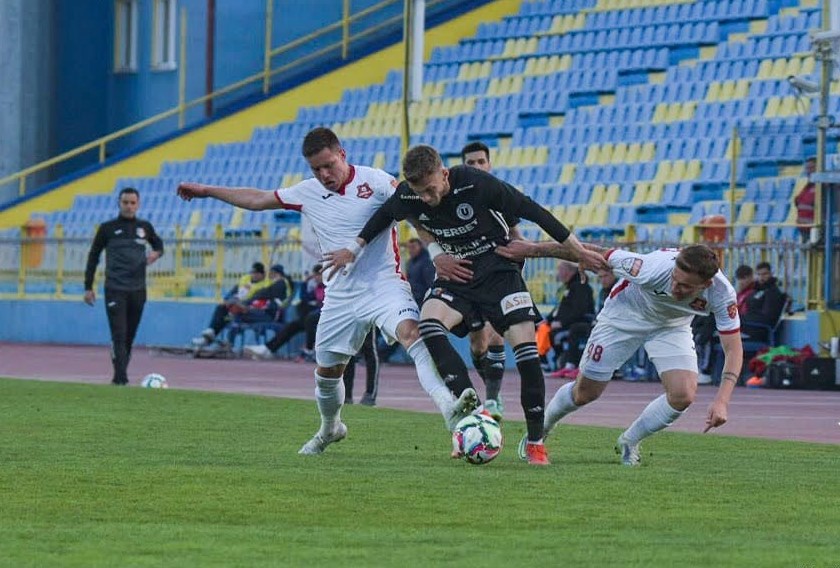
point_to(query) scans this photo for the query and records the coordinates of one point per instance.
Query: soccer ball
(478, 438)
(154, 381)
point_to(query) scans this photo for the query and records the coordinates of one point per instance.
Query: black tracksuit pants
(124, 309)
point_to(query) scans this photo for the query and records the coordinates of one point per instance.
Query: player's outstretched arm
(590, 257)
(733, 352)
(244, 197)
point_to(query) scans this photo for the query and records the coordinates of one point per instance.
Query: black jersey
(124, 241)
(469, 222)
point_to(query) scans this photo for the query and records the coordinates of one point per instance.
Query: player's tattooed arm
(733, 352)
(571, 249)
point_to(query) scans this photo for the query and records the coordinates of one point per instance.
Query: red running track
(784, 415)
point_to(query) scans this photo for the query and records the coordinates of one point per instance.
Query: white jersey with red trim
(337, 217)
(641, 300)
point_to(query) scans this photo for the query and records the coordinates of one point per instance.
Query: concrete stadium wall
(26, 86)
(164, 323)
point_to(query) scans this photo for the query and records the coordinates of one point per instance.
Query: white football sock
(329, 394)
(656, 416)
(430, 378)
(561, 405)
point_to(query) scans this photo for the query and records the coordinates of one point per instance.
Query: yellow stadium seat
(678, 171)
(655, 193)
(559, 211)
(585, 216)
(780, 68)
(593, 153)
(756, 234)
(641, 193)
(599, 216)
(692, 170)
(808, 64)
(567, 174)
(660, 112)
(619, 153)
(541, 156)
(634, 151)
(764, 69)
(663, 171)
(571, 214)
(598, 193)
(742, 89)
(605, 156)
(713, 94)
(611, 196)
(726, 90)
(746, 213)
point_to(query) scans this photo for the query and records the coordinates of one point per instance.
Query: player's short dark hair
(125, 190)
(420, 162)
(764, 265)
(699, 260)
(743, 271)
(319, 138)
(474, 147)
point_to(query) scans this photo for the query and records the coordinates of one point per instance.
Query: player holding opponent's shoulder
(338, 201)
(462, 207)
(652, 307)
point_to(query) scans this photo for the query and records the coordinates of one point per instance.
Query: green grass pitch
(102, 476)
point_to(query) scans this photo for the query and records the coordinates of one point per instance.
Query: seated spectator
(308, 313)
(267, 304)
(764, 306)
(571, 320)
(744, 286)
(247, 286)
(804, 202)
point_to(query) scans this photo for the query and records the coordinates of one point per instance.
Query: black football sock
(494, 370)
(478, 363)
(450, 366)
(532, 394)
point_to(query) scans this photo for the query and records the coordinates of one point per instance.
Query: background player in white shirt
(652, 306)
(338, 202)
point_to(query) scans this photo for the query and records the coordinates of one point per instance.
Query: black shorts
(503, 300)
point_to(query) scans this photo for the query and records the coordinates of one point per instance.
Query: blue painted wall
(94, 101)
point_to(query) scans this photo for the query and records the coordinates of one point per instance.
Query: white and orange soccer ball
(154, 381)
(477, 438)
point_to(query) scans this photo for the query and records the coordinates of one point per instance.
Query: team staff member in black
(124, 241)
(463, 207)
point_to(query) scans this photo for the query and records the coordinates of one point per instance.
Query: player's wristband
(435, 250)
(355, 248)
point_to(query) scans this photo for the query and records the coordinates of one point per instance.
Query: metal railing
(202, 270)
(265, 77)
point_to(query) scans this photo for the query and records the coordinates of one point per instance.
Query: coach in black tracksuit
(124, 240)
(463, 208)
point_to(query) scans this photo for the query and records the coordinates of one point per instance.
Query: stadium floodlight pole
(414, 23)
(823, 53)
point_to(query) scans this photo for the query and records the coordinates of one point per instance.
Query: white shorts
(609, 348)
(347, 319)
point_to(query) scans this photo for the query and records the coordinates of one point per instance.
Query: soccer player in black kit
(463, 207)
(124, 241)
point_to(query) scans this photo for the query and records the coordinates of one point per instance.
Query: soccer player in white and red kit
(652, 307)
(338, 202)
